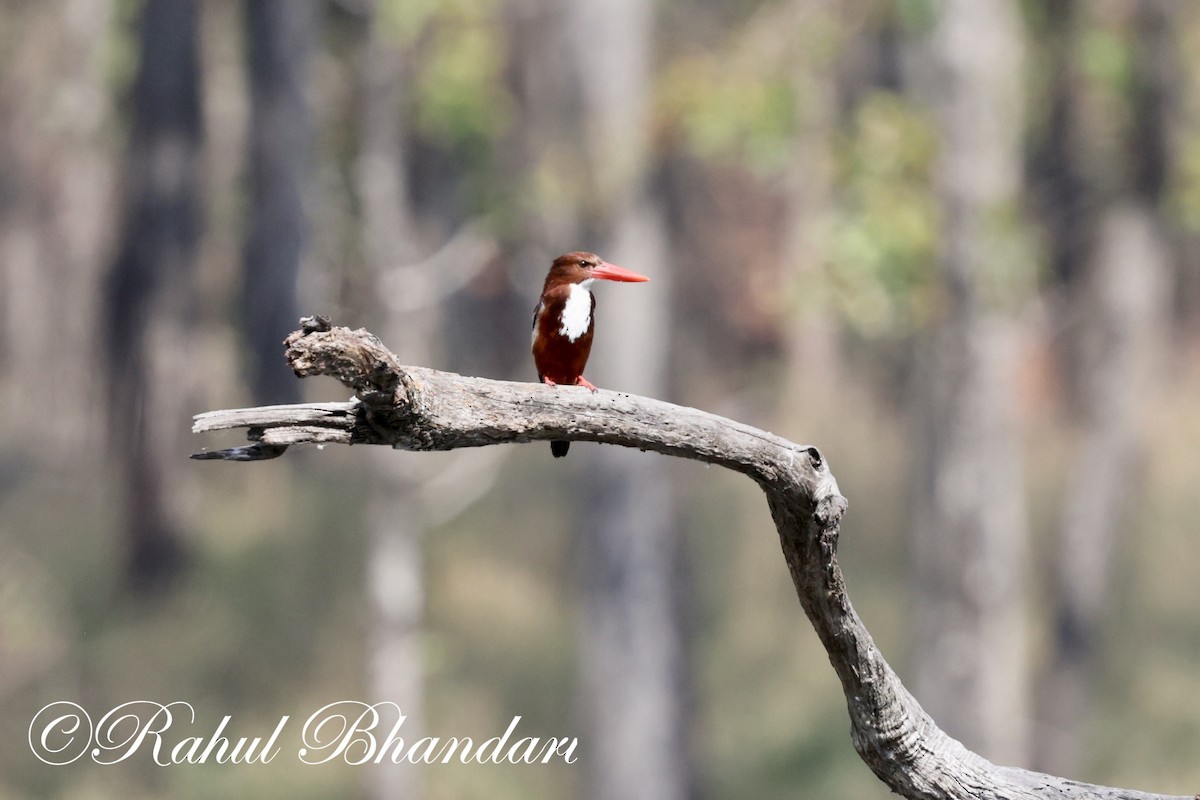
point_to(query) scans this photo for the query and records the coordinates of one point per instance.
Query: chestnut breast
(563, 324)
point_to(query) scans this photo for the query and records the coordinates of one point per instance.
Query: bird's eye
(583, 263)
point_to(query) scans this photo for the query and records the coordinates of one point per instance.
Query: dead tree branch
(416, 408)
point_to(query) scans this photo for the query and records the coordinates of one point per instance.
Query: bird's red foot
(549, 382)
(585, 383)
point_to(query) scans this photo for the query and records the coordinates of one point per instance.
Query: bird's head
(578, 267)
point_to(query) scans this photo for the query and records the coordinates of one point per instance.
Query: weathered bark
(281, 36)
(970, 530)
(416, 408)
(149, 303)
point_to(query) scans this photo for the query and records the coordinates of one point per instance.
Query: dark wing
(537, 310)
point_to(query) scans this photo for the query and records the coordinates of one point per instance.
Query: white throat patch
(577, 312)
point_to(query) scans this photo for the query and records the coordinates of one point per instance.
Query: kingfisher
(563, 321)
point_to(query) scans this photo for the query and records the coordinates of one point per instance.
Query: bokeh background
(953, 244)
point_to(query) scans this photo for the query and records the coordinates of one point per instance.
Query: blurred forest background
(954, 244)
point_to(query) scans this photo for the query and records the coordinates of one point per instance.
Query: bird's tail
(558, 448)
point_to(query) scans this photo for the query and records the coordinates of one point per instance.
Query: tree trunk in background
(970, 527)
(1157, 74)
(635, 674)
(1116, 303)
(633, 659)
(148, 302)
(56, 191)
(281, 36)
(541, 138)
(812, 337)
(1060, 182)
(396, 523)
(396, 518)
(1120, 309)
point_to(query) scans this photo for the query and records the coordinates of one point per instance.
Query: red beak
(611, 272)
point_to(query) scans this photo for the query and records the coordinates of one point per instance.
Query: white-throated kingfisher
(563, 322)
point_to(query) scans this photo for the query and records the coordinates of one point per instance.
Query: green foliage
(917, 16)
(731, 114)
(120, 53)
(880, 273)
(458, 55)
(745, 100)
(1185, 184)
(460, 98)
(1104, 56)
(401, 21)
